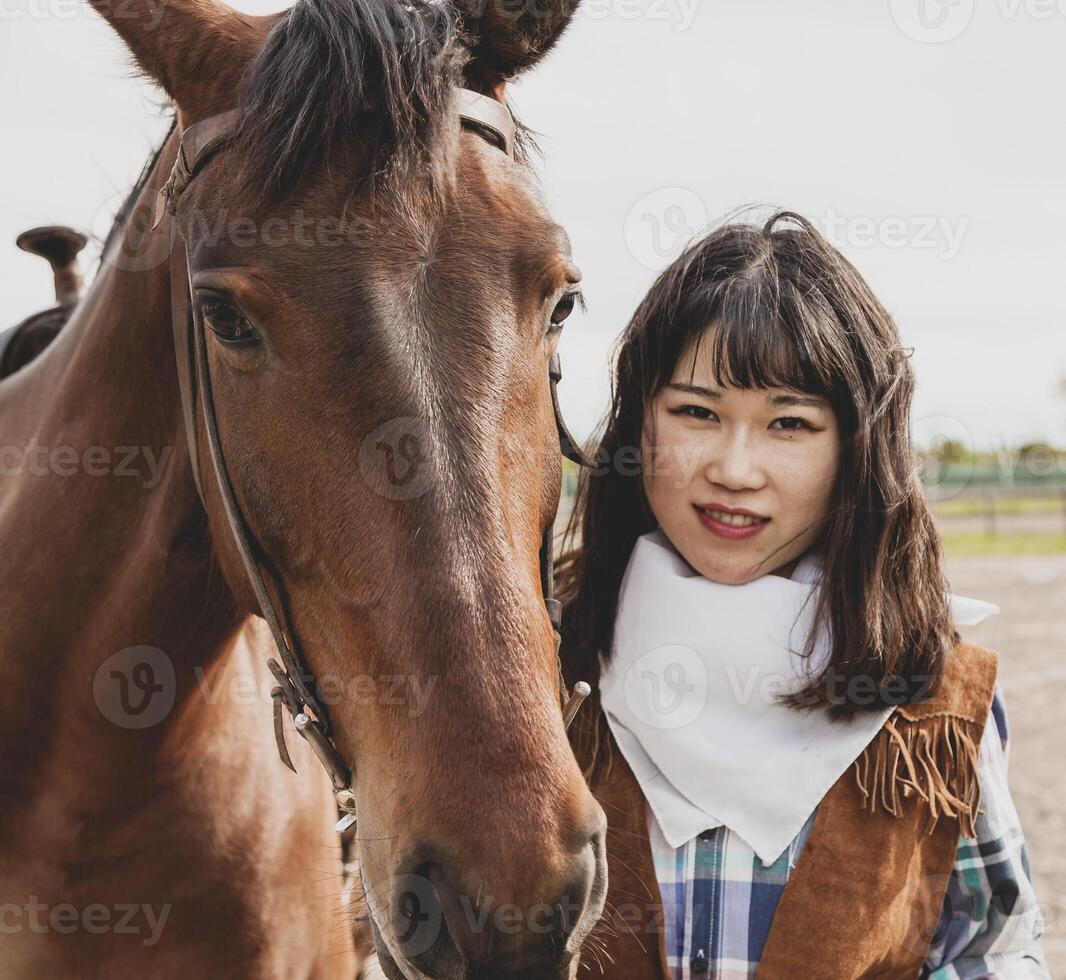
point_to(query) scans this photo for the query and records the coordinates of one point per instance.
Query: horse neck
(105, 539)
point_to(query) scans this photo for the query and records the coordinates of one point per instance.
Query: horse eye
(226, 322)
(563, 308)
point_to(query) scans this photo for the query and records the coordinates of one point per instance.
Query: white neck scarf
(691, 691)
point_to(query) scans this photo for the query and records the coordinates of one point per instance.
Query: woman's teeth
(737, 520)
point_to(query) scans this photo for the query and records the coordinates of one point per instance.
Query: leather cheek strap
(292, 691)
(181, 319)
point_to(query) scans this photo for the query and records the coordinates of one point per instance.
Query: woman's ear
(507, 37)
(196, 50)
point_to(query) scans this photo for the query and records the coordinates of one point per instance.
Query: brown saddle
(23, 342)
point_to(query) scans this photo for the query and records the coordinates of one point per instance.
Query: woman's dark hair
(789, 311)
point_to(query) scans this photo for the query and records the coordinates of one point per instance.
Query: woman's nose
(736, 463)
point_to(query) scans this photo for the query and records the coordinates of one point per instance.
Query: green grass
(977, 507)
(1003, 545)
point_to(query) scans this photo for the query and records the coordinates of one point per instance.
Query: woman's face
(773, 453)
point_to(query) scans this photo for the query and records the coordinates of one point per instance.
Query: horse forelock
(333, 74)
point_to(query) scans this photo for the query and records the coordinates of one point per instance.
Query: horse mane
(331, 69)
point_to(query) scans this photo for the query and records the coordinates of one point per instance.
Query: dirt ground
(1030, 637)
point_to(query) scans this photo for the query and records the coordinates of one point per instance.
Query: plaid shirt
(719, 898)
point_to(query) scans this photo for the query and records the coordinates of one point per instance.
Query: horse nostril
(588, 881)
(574, 900)
(444, 931)
(419, 920)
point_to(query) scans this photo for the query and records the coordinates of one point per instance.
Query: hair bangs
(758, 332)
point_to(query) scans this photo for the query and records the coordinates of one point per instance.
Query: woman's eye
(695, 411)
(226, 322)
(800, 424)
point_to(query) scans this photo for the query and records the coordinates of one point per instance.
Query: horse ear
(509, 36)
(195, 49)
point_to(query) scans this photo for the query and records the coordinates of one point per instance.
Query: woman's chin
(732, 570)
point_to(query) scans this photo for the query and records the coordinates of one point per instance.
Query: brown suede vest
(865, 897)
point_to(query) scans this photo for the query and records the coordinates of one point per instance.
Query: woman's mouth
(731, 526)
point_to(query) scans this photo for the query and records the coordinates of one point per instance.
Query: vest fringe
(935, 758)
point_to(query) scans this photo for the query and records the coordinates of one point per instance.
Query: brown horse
(382, 292)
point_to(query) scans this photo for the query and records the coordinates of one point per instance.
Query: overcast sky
(927, 141)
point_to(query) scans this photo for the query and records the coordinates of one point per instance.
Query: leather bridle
(293, 692)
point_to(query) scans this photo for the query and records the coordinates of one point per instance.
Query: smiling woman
(761, 376)
(797, 754)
